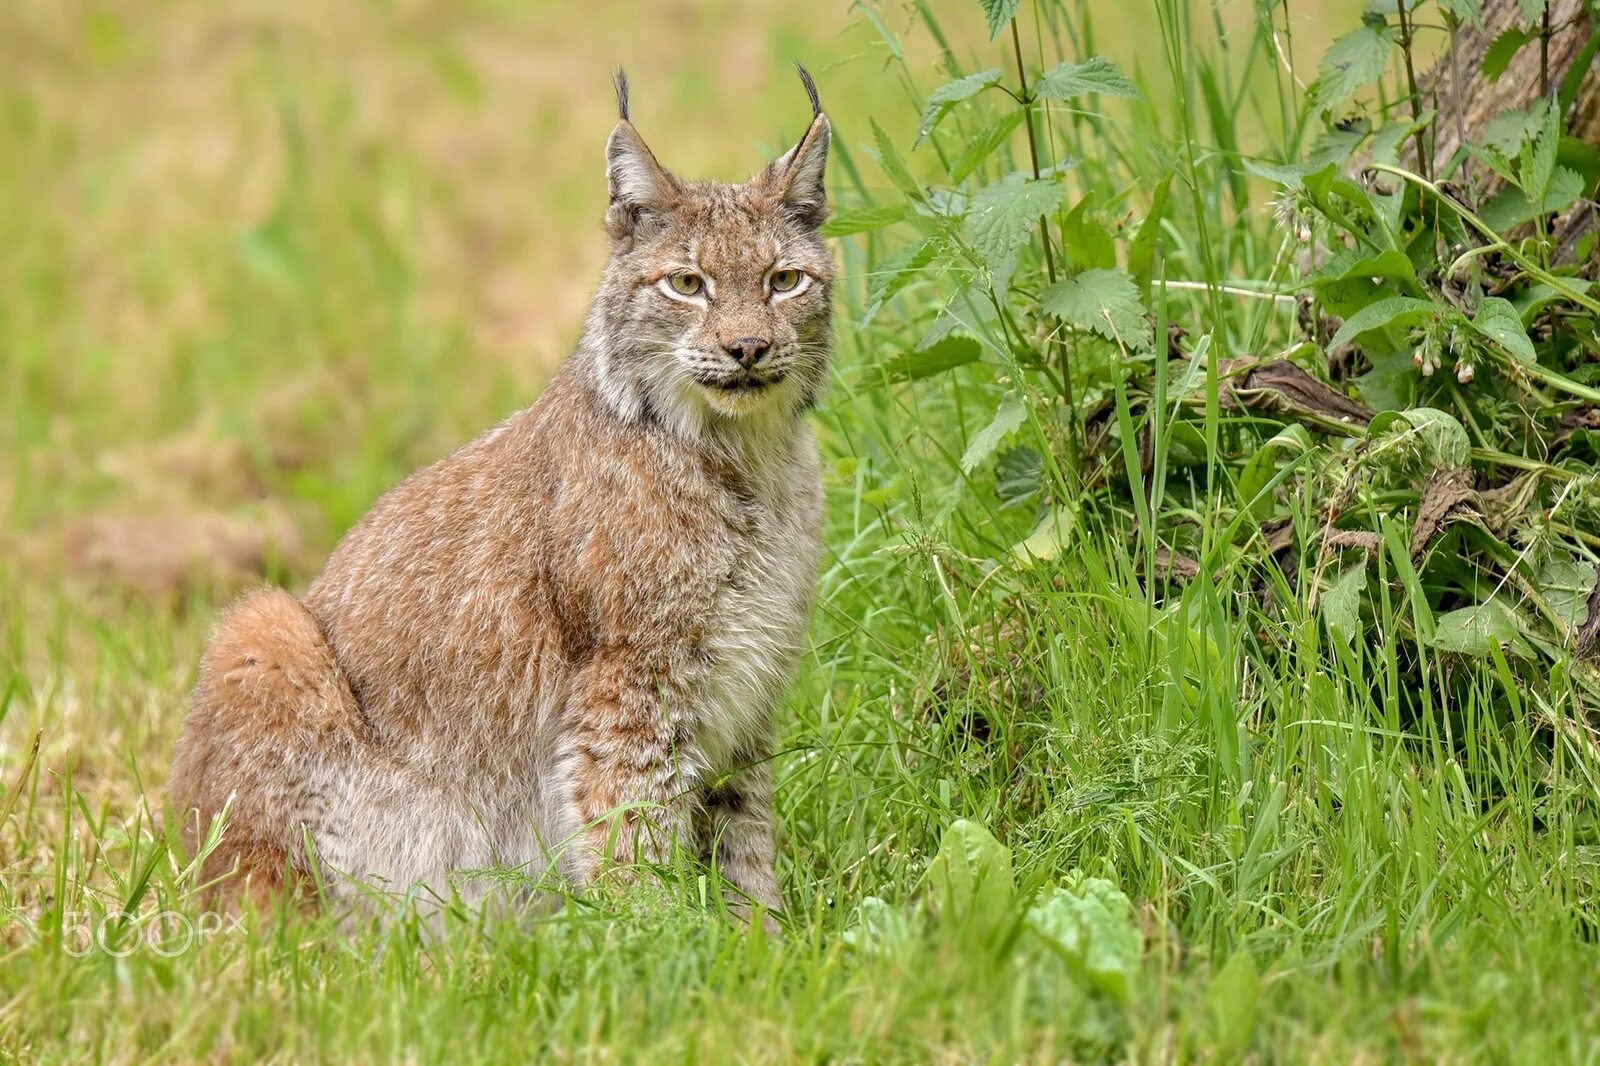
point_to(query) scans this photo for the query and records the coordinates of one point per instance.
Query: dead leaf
(1280, 387)
(1447, 496)
(1361, 539)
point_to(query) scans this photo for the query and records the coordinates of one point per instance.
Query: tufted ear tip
(619, 82)
(811, 89)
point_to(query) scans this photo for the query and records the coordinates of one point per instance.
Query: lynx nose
(747, 350)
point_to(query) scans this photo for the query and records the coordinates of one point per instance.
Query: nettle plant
(1391, 418)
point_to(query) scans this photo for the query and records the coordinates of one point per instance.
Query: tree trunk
(1537, 70)
(1465, 112)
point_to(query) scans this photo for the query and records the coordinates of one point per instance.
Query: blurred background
(260, 260)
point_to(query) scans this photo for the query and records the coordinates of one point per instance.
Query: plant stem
(1544, 51)
(1044, 234)
(1424, 164)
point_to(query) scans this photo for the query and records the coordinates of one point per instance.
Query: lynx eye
(784, 280)
(686, 284)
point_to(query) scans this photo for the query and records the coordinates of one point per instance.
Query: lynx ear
(797, 175)
(640, 188)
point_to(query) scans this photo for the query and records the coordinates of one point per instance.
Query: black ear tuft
(811, 89)
(620, 81)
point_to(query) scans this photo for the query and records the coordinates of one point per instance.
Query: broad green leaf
(1394, 311)
(984, 145)
(1050, 535)
(971, 876)
(1012, 412)
(863, 220)
(893, 165)
(1355, 278)
(1354, 60)
(1565, 584)
(1231, 1001)
(1504, 50)
(1142, 249)
(1477, 630)
(1340, 605)
(1086, 241)
(1089, 923)
(999, 14)
(1499, 321)
(939, 357)
(879, 928)
(1094, 75)
(1258, 471)
(1105, 302)
(1439, 433)
(948, 95)
(1532, 10)
(1002, 217)
(1578, 68)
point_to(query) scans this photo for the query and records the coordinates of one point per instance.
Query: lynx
(559, 649)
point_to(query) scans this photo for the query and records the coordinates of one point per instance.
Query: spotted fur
(562, 645)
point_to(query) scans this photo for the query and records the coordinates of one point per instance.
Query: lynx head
(715, 307)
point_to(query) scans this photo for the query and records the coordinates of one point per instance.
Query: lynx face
(716, 304)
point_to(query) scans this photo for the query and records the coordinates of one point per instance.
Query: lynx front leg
(740, 836)
(630, 774)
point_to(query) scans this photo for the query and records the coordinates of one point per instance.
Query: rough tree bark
(1467, 101)
(1479, 100)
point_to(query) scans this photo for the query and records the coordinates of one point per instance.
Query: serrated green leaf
(1465, 10)
(1504, 49)
(1532, 10)
(1018, 474)
(893, 165)
(863, 220)
(948, 95)
(894, 272)
(984, 145)
(1096, 74)
(1499, 321)
(999, 13)
(1105, 302)
(1002, 217)
(1353, 61)
(944, 355)
(1012, 412)
(1394, 311)
(1510, 207)
(1539, 157)
(971, 876)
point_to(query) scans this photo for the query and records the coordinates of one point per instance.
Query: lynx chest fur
(562, 646)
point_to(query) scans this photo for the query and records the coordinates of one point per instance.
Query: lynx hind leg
(273, 726)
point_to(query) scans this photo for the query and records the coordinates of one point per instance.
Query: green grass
(332, 246)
